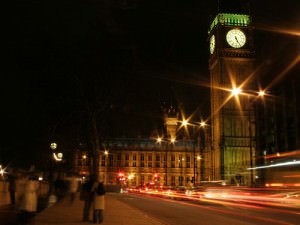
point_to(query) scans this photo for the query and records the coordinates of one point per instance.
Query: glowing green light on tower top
(228, 19)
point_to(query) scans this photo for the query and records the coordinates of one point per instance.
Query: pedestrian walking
(86, 195)
(29, 201)
(99, 201)
(73, 187)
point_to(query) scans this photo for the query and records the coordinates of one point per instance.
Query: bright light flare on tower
(236, 91)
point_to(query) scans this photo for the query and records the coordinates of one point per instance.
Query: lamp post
(58, 156)
(259, 94)
(202, 124)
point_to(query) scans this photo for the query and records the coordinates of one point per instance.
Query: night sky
(124, 58)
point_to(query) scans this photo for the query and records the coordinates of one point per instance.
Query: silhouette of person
(99, 201)
(87, 197)
(73, 187)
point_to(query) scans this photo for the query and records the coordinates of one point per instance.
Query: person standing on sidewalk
(86, 195)
(99, 201)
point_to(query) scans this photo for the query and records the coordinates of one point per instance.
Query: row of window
(143, 164)
(144, 160)
(143, 157)
(175, 180)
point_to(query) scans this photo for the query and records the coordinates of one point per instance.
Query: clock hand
(237, 41)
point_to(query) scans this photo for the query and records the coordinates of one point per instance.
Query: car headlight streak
(295, 162)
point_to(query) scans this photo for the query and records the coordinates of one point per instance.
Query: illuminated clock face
(236, 38)
(212, 44)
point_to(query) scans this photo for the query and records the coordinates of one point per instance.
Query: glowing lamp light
(130, 176)
(185, 123)
(159, 140)
(236, 91)
(53, 146)
(58, 157)
(261, 93)
(202, 124)
(2, 171)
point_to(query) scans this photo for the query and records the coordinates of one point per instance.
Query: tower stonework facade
(171, 122)
(231, 66)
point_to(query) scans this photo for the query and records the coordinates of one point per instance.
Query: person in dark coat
(87, 197)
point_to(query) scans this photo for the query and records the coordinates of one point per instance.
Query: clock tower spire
(231, 65)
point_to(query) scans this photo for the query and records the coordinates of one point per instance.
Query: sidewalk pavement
(115, 213)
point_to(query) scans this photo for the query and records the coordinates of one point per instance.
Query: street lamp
(104, 163)
(202, 124)
(260, 94)
(57, 156)
(2, 172)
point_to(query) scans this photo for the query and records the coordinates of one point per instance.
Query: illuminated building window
(180, 161)
(180, 179)
(134, 164)
(102, 161)
(157, 157)
(173, 161)
(110, 160)
(157, 160)
(149, 164)
(142, 179)
(142, 157)
(172, 157)
(173, 178)
(188, 179)
(188, 158)
(164, 161)
(142, 164)
(188, 161)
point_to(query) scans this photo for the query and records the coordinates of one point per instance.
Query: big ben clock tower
(231, 65)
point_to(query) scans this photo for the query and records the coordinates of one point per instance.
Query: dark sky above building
(125, 58)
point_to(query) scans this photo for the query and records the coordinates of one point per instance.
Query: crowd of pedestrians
(24, 195)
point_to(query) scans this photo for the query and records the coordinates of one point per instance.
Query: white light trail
(295, 162)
